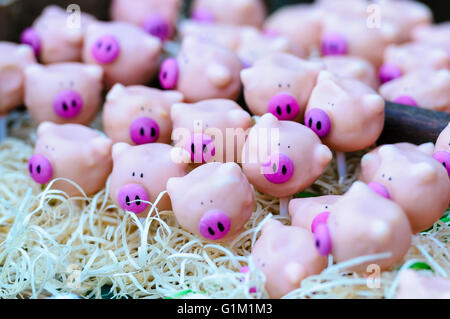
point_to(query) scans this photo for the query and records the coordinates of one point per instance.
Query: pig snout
(201, 147)
(67, 104)
(278, 168)
(168, 75)
(319, 219)
(389, 72)
(214, 225)
(334, 44)
(40, 169)
(158, 26)
(105, 49)
(144, 130)
(131, 197)
(284, 106)
(202, 15)
(318, 121)
(405, 100)
(380, 189)
(31, 37)
(443, 157)
(322, 239)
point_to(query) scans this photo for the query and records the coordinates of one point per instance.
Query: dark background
(15, 15)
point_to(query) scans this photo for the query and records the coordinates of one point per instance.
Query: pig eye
(142, 175)
(201, 203)
(288, 85)
(142, 108)
(279, 85)
(326, 207)
(133, 174)
(71, 83)
(382, 175)
(390, 179)
(211, 201)
(289, 146)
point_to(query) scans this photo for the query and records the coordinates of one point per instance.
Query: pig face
(140, 173)
(426, 88)
(280, 84)
(113, 46)
(53, 38)
(414, 285)
(211, 130)
(201, 71)
(401, 59)
(139, 114)
(289, 19)
(158, 18)
(442, 149)
(347, 114)
(201, 201)
(344, 35)
(63, 92)
(286, 255)
(281, 158)
(58, 147)
(360, 222)
(254, 45)
(13, 60)
(413, 179)
(237, 12)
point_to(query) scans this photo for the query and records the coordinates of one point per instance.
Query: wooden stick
(284, 204)
(341, 166)
(3, 128)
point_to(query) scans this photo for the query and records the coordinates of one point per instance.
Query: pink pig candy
(140, 173)
(63, 92)
(74, 152)
(401, 59)
(280, 84)
(202, 70)
(352, 67)
(13, 61)
(210, 130)
(301, 23)
(436, 34)
(156, 17)
(139, 114)
(413, 179)
(442, 149)
(236, 12)
(358, 223)
(201, 201)
(127, 54)
(426, 88)
(342, 35)
(286, 255)
(281, 158)
(53, 38)
(413, 285)
(347, 114)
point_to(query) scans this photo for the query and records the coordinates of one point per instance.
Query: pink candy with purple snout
(31, 37)
(106, 49)
(131, 197)
(144, 130)
(389, 72)
(201, 148)
(318, 121)
(380, 189)
(158, 26)
(443, 157)
(214, 225)
(334, 44)
(319, 219)
(405, 100)
(284, 106)
(168, 76)
(68, 104)
(322, 239)
(40, 169)
(278, 168)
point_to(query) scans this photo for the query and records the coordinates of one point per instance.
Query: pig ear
(117, 90)
(119, 148)
(374, 103)
(177, 110)
(173, 97)
(52, 9)
(271, 223)
(239, 118)
(26, 52)
(152, 43)
(388, 151)
(367, 159)
(172, 185)
(269, 120)
(163, 113)
(179, 155)
(219, 75)
(95, 71)
(295, 273)
(34, 70)
(425, 172)
(323, 155)
(325, 75)
(102, 145)
(44, 127)
(426, 148)
(246, 77)
(230, 169)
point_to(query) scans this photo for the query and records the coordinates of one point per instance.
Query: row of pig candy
(408, 192)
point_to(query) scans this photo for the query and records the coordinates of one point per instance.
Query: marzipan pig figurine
(442, 149)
